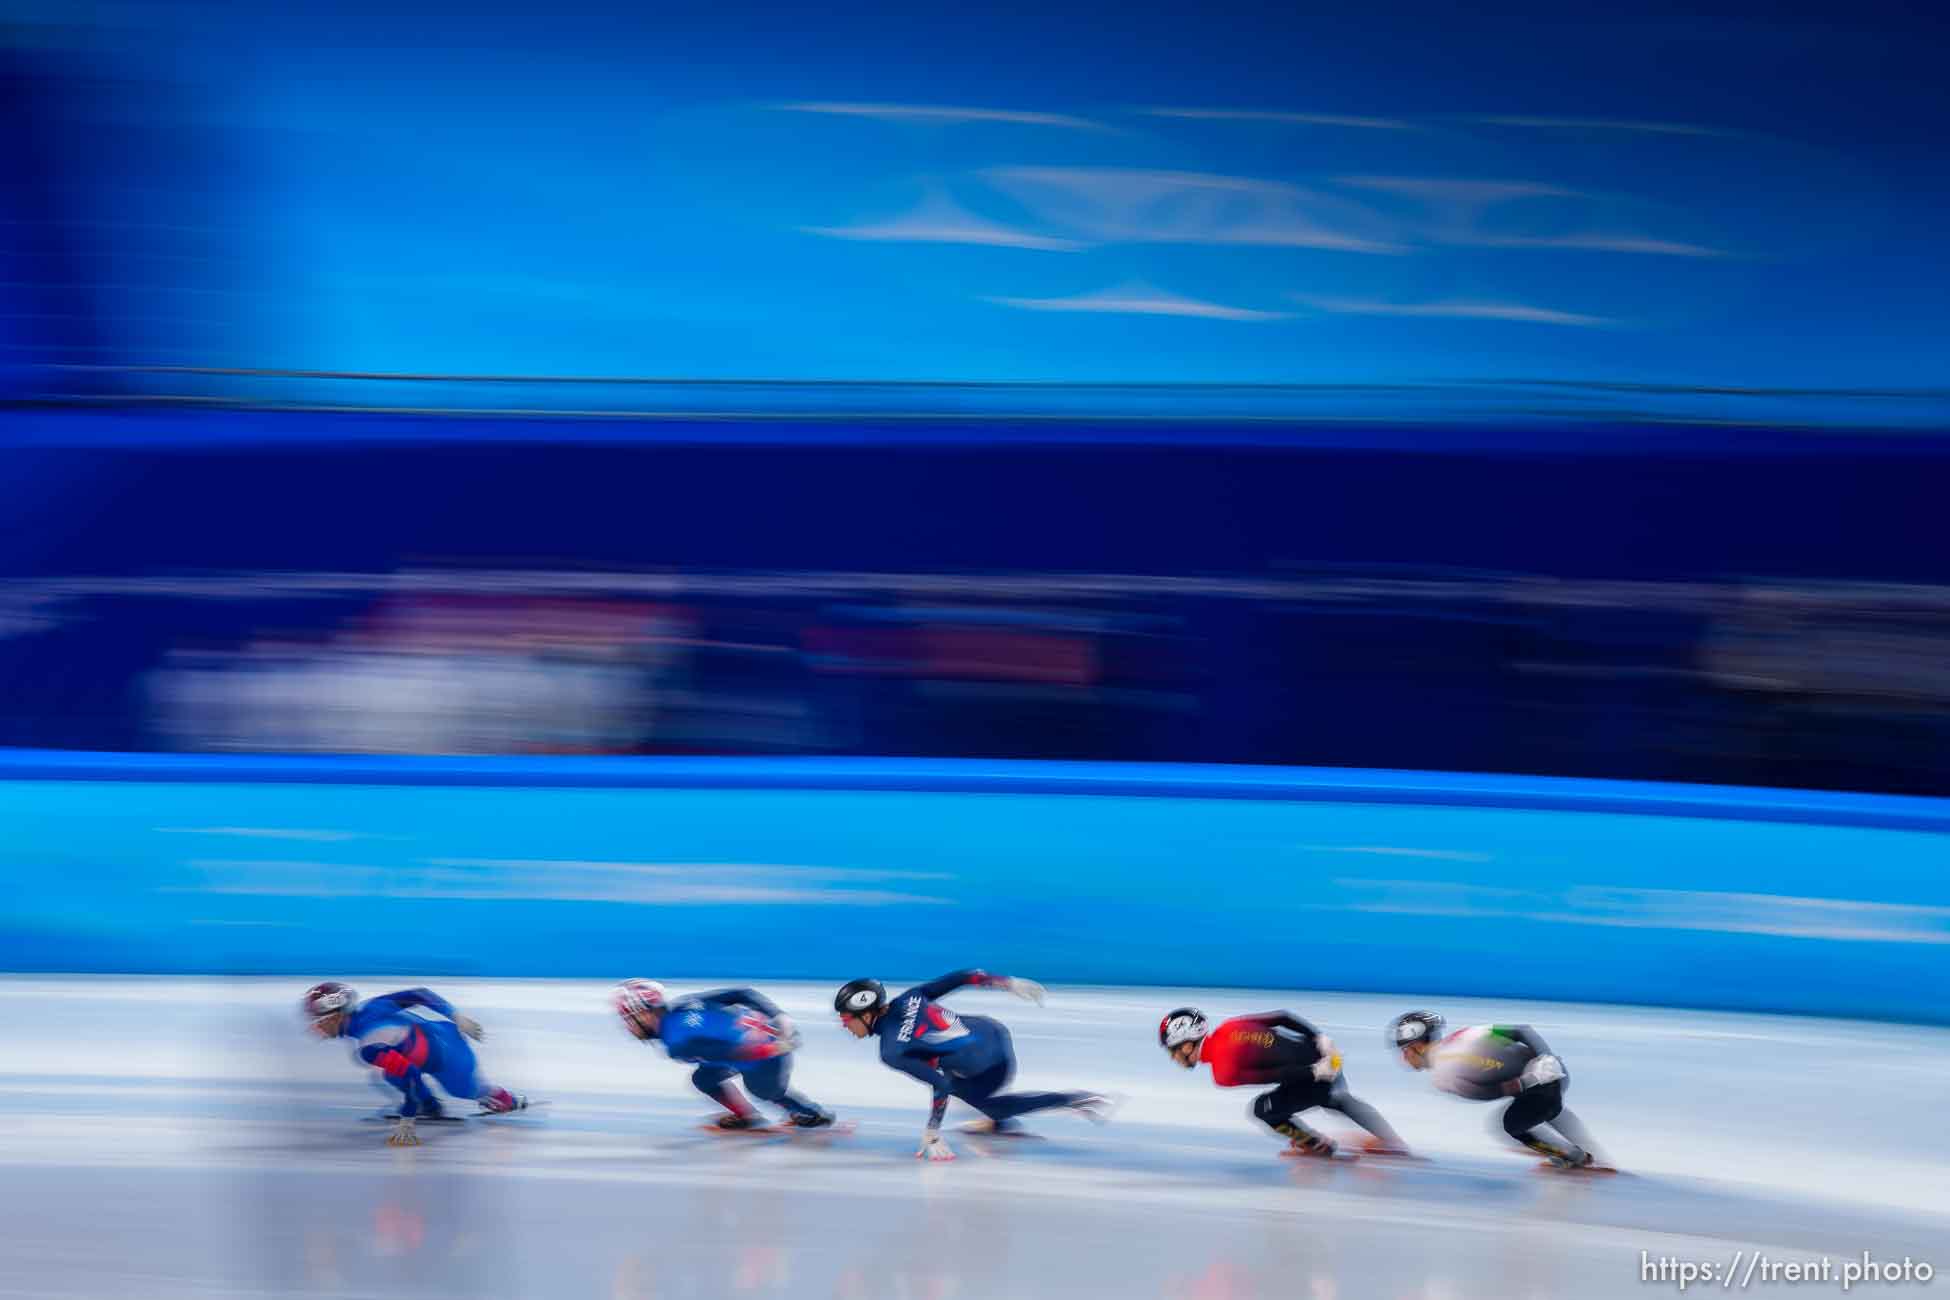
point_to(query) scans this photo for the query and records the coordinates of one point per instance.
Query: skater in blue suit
(730, 1035)
(967, 1057)
(408, 1047)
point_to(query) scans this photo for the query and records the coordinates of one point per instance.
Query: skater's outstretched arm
(981, 979)
(741, 997)
(960, 979)
(422, 998)
(439, 1006)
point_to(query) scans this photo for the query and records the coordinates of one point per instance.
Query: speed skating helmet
(1412, 1027)
(327, 998)
(860, 997)
(1185, 1025)
(635, 1001)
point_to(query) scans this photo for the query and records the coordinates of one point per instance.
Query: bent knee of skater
(1520, 1126)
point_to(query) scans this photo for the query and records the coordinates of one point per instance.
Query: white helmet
(1185, 1025)
(635, 1001)
(327, 999)
(1412, 1027)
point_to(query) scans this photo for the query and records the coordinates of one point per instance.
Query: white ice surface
(185, 1138)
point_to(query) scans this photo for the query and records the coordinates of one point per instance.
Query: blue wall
(1531, 888)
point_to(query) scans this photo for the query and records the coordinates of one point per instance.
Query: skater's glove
(403, 1134)
(1541, 1070)
(787, 1031)
(470, 1026)
(934, 1148)
(1328, 1067)
(1027, 990)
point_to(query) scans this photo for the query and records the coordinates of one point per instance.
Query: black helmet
(1412, 1027)
(858, 997)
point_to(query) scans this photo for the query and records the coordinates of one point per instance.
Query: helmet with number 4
(860, 997)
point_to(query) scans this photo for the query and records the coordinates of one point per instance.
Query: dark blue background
(324, 491)
(136, 495)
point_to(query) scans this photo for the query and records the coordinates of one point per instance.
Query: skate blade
(1006, 1135)
(1108, 1104)
(756, 1130)
(509, 1114)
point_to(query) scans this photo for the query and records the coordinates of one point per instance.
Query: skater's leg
(979, 1090)
(451, 1060)
(715, 1082)
(983, 1088)
(1575, 1134)
(1529, 1116)
(1340, 1099)
(1280, 1109)
(456, 1070)
(771, 1081)
(429, 1105)
(410, 1091)
(1008, 1105)
(976, 1079)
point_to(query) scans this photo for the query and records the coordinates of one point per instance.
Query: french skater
(1279, 1048)
(395, 1035)
(1492, 1062)
(731, 1036)
(971, 1058)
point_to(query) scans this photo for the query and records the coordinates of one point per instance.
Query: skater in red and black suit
(1277, 1047)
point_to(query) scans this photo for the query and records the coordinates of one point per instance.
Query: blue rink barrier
(1433, 883)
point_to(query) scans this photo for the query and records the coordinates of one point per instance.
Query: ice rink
(173, 1138)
